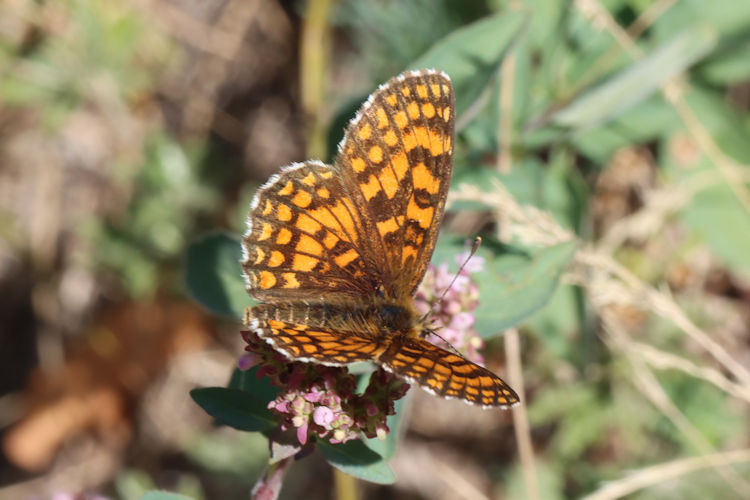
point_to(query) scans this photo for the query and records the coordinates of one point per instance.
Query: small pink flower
(370, 409)
(474, 265)
(323, 416)
(314, 396)
(462, 282)
(453, 309)
(321, 401)
(339, 435)
(280, 406)
(422, 306)
(443, 278)
(462, 321)
(298, 403)
(247, 361)
(302, 434)
(381, 432)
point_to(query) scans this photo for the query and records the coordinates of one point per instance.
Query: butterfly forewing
(304, 237)
(396, 162)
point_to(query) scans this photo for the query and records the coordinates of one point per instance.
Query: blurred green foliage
(102, 44)
(150, 238)
(578, 99)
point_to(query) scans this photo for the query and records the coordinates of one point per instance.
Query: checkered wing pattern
(304, 238)
(446, 374)
(291, 331)
(336, 253)
(396, 161)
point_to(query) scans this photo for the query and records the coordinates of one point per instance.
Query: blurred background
(129, 129)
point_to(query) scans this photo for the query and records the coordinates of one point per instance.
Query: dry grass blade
(659, 204)
(609, 283)
(649, 385)
(667, 361)
(662, 305)
(520, 416)
(674, 92)
(663, 472)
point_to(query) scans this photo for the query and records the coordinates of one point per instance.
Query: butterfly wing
(310, 341)
(369, 224)
(305, 239)
(445, 374)
(360, 232)
(395, 162)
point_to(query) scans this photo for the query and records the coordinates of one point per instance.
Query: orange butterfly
(335, 253)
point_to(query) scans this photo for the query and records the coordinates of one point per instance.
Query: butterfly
(335, 253)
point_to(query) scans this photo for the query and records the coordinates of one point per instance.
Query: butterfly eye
(427, 330)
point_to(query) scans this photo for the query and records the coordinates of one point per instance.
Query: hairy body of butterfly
(335, 253)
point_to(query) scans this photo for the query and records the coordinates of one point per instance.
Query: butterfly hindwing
(291, 331)
(445, 374)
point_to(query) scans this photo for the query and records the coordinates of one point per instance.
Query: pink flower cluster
(312, 401)
(377, 403)
(453, 312)
(321, 401)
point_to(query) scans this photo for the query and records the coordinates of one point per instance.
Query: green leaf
(553, 323)
(163, 495)
(729, 64)
(235, 408)
(636, 82)
(514, 286)
(549, 479)
(471, 55)
(547, 24)
(214, 275)
(231, 454)
(554, 187)
(649, 119)
(514, 283)
(387, 447)
(728, 17)
(355, 458)
(717, 216)
(248, 381)
(582, 417)
(728, 127)
(526, 182)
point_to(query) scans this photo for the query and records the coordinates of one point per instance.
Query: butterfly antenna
(474, 248)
